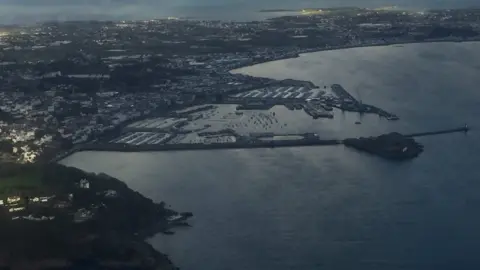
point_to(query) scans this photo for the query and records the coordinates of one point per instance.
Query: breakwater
(243, 143)
(204, 146)
(464, 129)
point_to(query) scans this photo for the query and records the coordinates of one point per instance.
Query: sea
(330, 207)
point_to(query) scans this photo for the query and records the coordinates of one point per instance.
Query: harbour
(331, 207)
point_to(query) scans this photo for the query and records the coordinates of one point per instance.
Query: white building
(13, 199)
(16, 209)
(84, 184)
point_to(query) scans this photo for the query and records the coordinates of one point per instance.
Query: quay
(203, 146)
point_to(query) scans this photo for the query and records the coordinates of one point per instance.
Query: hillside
(56, 216)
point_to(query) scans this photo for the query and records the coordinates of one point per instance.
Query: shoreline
(344, 47)
(185, 147)
(89, 219)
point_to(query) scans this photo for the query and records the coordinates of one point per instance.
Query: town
(67, 83)
(167, 84)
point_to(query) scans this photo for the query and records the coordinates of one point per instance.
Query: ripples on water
(330, 207)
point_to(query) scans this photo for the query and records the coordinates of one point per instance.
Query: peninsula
(56, 217)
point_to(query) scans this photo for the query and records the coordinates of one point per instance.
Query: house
(13, 199)
(16, 209)
(111, 193)
(84, 184)
(42, 218)
(46, 199)
(82, 215)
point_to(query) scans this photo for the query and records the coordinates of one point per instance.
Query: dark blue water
(330, 207)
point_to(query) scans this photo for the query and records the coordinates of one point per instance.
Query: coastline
(105, 216)
(185, 147)
(315, 50)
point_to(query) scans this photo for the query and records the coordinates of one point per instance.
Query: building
(82, 215)
(84, 184)
(13, 199)
(111, 193)
(16, 209)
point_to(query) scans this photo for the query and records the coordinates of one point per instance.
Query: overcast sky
(26, 11)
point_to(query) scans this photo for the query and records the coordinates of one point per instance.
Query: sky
(27, 11)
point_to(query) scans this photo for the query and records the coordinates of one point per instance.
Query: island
(57, 217)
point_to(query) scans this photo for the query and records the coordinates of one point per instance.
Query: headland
(56, 216)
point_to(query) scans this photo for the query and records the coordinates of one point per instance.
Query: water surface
(330, 207)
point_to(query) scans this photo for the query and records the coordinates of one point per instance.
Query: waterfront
(330, 207)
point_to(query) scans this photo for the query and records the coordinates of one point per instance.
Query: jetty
(463, 129)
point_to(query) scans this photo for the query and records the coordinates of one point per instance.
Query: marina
(139, 138)
(280, 93)
(316, 102)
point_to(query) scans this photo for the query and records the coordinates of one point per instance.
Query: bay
(331, 207)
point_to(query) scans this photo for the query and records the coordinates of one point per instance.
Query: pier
(463, 129)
